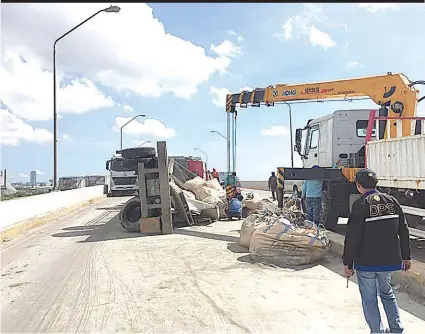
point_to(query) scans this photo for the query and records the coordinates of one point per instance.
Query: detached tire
(130, 215)
(138, 152)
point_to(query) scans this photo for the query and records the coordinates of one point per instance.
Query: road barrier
(21, 214)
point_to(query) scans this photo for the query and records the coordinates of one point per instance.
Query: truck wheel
(328, 218)
(130, 215)
(413, 221)
(138, 152)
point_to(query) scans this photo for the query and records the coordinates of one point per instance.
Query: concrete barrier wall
(258, 185)
(21, 209)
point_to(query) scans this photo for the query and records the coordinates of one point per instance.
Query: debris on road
(283, 238)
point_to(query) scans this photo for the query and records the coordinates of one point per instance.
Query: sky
(175, 63)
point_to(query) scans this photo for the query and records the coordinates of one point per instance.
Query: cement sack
(201, 192)
(253, 203)
(195, 182)
(248, 228)
(213, 213)
(283, 244)
(214, 184)
(214, 200)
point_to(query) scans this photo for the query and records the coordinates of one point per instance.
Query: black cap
(366, 178)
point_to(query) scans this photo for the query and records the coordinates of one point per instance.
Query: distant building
(33, 178)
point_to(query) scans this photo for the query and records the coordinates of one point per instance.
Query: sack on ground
(195, 182)
(248, 227)
(284, 244)
(214, 184)
(252, 203)
(201, 192)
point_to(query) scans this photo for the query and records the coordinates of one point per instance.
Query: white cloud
(239, 38)
(275, 131)
(246, 88)
(303, 25)
(127, 108)
(226, 49)
(219, 96)
(320, 38)
(66, 137)
(23, 175)
(129, 51)
(148, 127)
(287, 31)
(354, 64)
(13, 130)
(39, 172)
(26, 89)
(377, 7)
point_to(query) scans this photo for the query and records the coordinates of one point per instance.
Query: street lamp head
(141, 115)
(112, 9)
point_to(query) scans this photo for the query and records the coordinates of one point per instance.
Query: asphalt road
(84, 274)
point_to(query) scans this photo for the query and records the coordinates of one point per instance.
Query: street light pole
(112, 9)
(290, 129)
(206, 156)
(125, 125)
(228, 143)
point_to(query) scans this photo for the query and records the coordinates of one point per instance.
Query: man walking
(312, 193)
(273, 185)
(376, 244)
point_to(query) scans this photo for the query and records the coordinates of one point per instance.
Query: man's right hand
(407, 264)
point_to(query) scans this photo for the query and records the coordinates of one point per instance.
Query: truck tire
(130, 215)
(138, 152)
(413, 221)
(328, 218)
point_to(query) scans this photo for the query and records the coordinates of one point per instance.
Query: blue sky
(169, 61)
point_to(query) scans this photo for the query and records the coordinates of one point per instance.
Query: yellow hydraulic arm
(392, 91)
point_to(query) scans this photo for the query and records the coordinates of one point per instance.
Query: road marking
(22, 241)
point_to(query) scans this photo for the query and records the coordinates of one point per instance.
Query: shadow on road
(333, 262)
(206, 235)
(111, 230)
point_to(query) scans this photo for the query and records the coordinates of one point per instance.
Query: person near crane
(376, 244)
(273, 185)
(215, 175)
(232, 182)
(312, 194)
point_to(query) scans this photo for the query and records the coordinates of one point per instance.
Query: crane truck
(390, 140)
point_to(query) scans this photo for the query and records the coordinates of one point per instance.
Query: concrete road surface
(84, 274)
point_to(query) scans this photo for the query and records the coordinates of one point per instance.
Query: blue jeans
(313, 206)
(370, 285)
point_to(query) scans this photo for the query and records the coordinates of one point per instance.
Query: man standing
(312, 193)
(273, 185)
(215, 175)
(376, 244)
(231, 183)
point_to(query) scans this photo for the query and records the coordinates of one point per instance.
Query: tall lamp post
(290, 129)
(228, 148)
(131, 120)
(112, 9)
(206, 156)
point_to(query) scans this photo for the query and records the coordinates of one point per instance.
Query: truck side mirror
(107, 164)
(298, 138)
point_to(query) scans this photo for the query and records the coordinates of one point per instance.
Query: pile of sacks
(275, 239)
(210, 192)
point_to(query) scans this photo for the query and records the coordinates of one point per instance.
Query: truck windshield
(123, 165)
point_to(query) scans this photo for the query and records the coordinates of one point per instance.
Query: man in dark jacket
(273, 185)
(376, 244)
